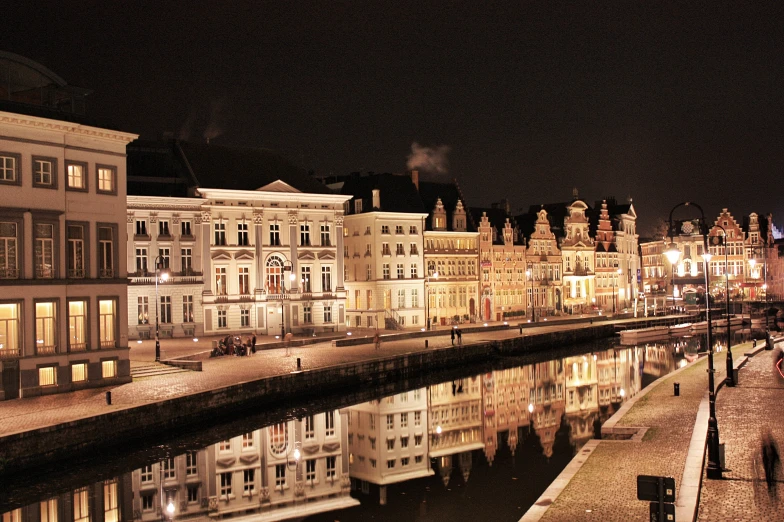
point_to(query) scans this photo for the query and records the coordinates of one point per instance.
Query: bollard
(299, 364)
(754, 343)
(109, 398)
(521, 329)
(677, 388)
(425, 343)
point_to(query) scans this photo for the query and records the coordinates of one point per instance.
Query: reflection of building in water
(582, 395)
(658, 359)
(107, 501)
(547, 398)
(257, 472)
(455, 417)
(386, 440)
(510, 393)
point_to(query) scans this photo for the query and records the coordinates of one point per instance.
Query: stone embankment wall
(121, 426)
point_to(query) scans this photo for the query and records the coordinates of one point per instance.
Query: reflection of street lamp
(170, 509)
(292, 461)
(716, 240)
(530, 414)
(427, 297)
(162, 273)
(714, 467)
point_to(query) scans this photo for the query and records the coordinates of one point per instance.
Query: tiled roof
(449, 193)
(397, 192)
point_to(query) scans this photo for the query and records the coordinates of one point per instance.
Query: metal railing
(46, 349)
(9, 273)
(77, 347)
(9, 353)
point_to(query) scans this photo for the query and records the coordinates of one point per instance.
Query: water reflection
(525, 421)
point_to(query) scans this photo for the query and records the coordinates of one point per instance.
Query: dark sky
(661, 102)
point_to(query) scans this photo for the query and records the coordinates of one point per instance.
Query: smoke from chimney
(432, 160)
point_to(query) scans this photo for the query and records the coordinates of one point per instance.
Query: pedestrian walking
(459, 337)
(453, 336)
(377, 340)
(770, 461)
(253, 344)
(288, 337)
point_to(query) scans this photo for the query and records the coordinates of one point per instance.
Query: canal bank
(39, 430)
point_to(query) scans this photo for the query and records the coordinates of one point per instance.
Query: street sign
(657, 489)
(669, 512)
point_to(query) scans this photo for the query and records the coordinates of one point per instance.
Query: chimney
(415, 178)
(376, 199)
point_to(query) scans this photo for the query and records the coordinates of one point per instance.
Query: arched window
(274, 274)
(278, 439)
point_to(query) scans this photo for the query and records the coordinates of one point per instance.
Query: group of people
(234, 345)
(457, 332)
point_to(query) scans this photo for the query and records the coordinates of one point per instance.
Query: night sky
(661, 102)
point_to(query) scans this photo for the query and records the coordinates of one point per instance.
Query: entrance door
(10, 379)
(387, 299)
(471, 308)
(487, 310)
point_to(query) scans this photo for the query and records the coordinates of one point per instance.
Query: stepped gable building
(451, 251)
(62, 208)
(383, 252)
(544, 264)
(250, 243)
(502, 263)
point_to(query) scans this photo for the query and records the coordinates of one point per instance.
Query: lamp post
(715, 240)
(615, 287)
(714, 470)
(287, 269)
(162, 273)
(673, 255)
(529, 274)
(427, 297)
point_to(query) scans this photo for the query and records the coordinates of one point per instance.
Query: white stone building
(63, 280)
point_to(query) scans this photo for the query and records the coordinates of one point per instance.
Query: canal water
(482, 445)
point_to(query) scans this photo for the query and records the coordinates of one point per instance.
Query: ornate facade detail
(175, 219)
(264, 494)
(293, 218)
(130, 217)
(299, 489)
(338, 221)
(345, 481)
(213, 504)
(258, 218)
(153, 217)
(205, 216)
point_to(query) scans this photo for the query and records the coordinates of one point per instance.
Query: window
(107, 310)
(274, 232)
(146, 474)
(245, 317)
(185, 228)
(331, 467)
(390, 444)
(326, 279)
(77, 325)
(404, 416)
(307, 314)
(221, 281)
(44, 251)
(105, 252)
(76, 261)
(141, 227)
(390, 422)
(391, 464)
(418, 459)
(148, 503)
(81, 505)
(110, 503)
(78, 372)
(385, 229)
(187, 309)
(417, 440)
(47, 376)
(220, 233)
(305, 279)
(168, 469)
(222, 319)
(404, 461)
(243, 277)
(45, 328)
(413, 249)
(385, 270)
(191, 461)
(107, 179)
(9, 168)
(242, 234)
(193, 494)
(401, 298)
(274, 275)
(186, 261)
(166, 309)
(143, 309)
(77, 176)
(385, 249)
(417, 418)
(325, 236)
(224, 446)
(8, 244)
(327, 313)
(310, 470)
(249, 481)
(141, 261)
(310, 430)
(280, 476)
(163, 228)
(225, 485)
(44, 172)
(49, 510)
(412, 229)
(304, 234)
(165, 258)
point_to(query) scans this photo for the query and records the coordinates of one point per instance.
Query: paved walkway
(601, 484)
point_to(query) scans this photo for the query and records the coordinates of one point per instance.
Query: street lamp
(427, 297)
(714, 470)
(673, 255)
(716, 241)
(287, 269)
(162, 273)
(170, 509)
(529, 276)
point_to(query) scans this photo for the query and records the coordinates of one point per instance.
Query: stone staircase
(143, 370)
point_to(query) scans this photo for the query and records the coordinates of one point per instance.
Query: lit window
(47, 376)
(106, 179)
(108, 369)
(77, 176)
(78, 372)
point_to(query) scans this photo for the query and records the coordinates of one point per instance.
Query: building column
(339, 254)
(293, 222)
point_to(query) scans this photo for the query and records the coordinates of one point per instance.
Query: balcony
(106, 273)
(44, 273)
(9, 273)
(9, 353)
(109, 344)
(76, 273)
(45, 350)
(77, 347)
